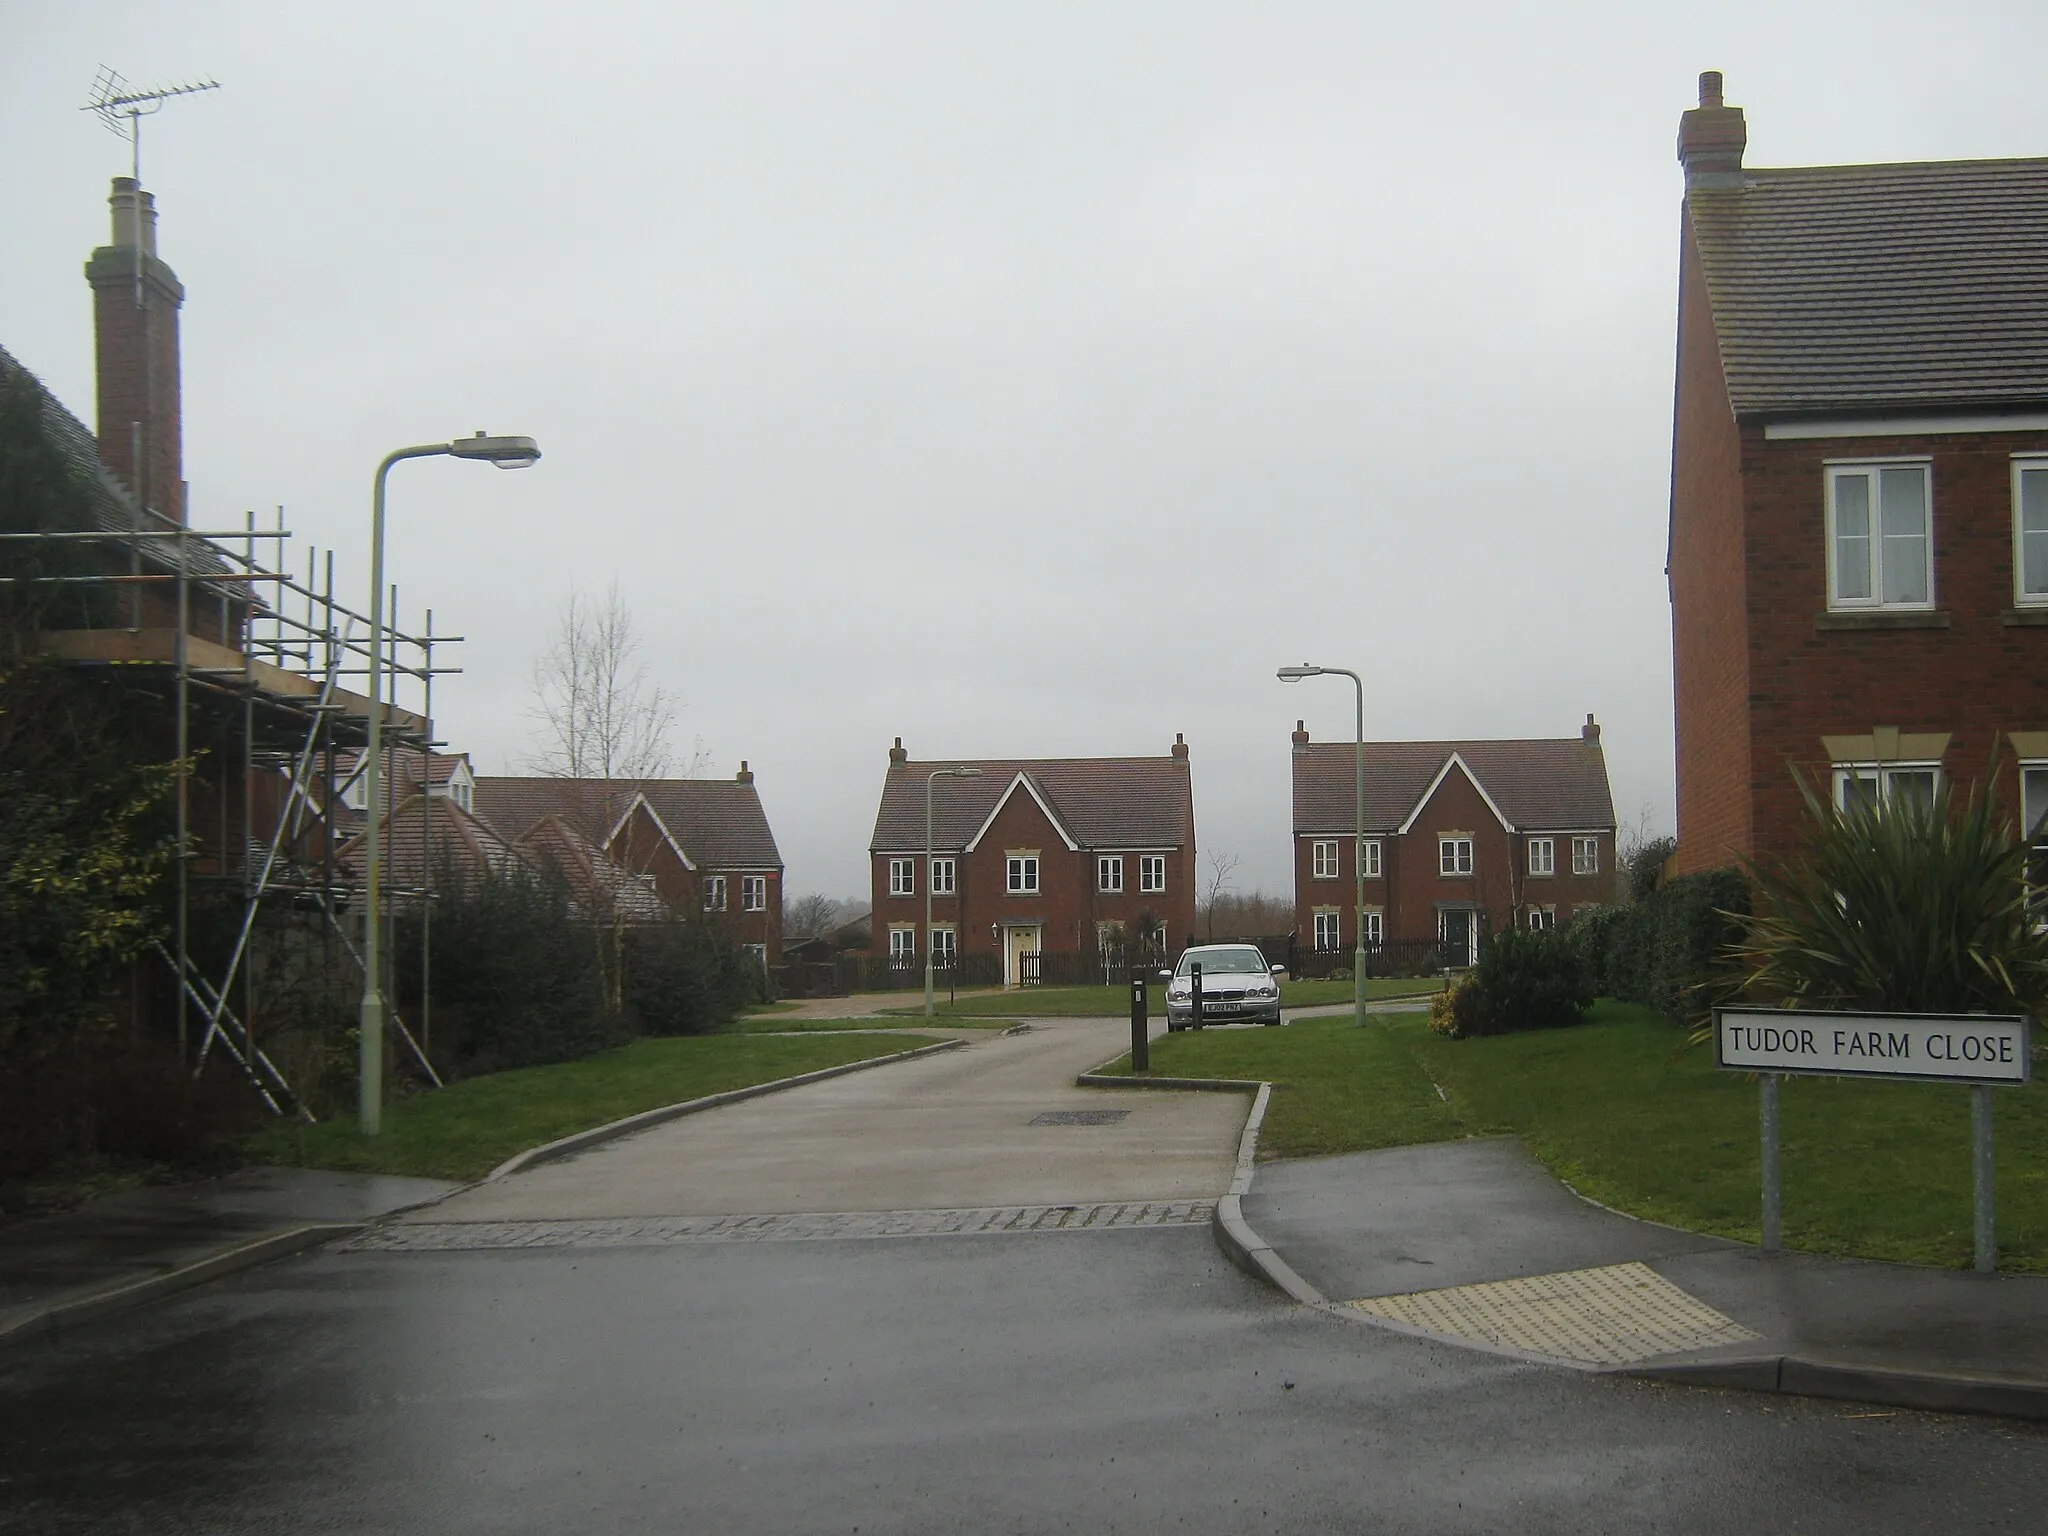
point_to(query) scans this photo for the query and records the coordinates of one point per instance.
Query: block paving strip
(1614, 1315)
(665, 1231)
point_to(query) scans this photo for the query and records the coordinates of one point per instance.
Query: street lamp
(1295, 675)
(962, 772)
(505, 453)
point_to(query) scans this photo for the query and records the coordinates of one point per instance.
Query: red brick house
(1036, 856)
(705, 843)
(1462, 839)
(1858, 557)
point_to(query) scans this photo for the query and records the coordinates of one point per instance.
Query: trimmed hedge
(1524, 980)
(1669, 951)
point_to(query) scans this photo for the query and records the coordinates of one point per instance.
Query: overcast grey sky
(1023, 379)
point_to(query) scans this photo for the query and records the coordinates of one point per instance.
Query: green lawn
(465, 1130)
(1115, 1002)
(1336, 1087)
(1624, 1112)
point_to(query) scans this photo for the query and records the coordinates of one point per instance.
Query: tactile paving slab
(663, 1231)
(1613, 1315)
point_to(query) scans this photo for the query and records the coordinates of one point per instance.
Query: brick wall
(1710, 649)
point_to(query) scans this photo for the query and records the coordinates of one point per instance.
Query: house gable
(1457, 761)
(1022, 780)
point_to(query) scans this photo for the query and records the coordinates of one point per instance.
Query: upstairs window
(1884, 783)
(1109, 873)
(714, 893)
(1372, 857)
(753, 893)
(1152, 872)
(903, 877)
(1880, 545)
(1585, 855)
(1454, 855)
(1023, 870)
(2030, 530)
(1542, 856)
(942, 877)
(1323, 860)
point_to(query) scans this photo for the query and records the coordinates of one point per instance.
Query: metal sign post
(1141, 1034)
(1982, 1050)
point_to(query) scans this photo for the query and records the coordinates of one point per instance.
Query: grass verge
(1621, 1110)
(1336, 1087)
(1115, 1002)
(465, 1130)
(770, 1024)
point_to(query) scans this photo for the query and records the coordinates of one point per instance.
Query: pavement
(1469, 1243)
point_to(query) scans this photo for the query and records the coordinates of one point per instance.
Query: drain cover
(1080, 1117)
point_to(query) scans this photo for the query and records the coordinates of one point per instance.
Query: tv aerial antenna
(121, 111)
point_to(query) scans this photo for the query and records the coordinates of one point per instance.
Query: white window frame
(1325, 863)
(1453, 855)
(1541, 919)
(714, 893)
(1151, 873)
(1022, 870)
(2034, 826)
(1330, 919)
(1109, 873)
(943, 875)
(1585, 855)
(1884, 775)
(753, 893)
(1542, 856)
(903, 877)
(1375, 927)
(902, 941)
(1871, 472)
(1371, 845)
(945, 942)
(2022, 466)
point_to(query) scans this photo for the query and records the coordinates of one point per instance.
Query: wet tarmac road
(1101, 1381)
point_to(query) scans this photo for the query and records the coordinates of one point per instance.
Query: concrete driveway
(947, 1131)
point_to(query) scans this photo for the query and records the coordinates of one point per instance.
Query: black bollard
(1195, 1001)
(1141, 1036)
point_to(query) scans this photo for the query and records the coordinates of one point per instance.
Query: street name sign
(1943, 1048)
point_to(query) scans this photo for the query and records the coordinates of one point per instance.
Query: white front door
(1017, 943)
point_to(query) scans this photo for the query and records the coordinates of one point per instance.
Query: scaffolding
(270, 687)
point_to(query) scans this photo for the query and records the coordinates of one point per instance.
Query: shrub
(1672, 950)
(1455, 1011)
(1524, 980)
(1588, 934)
(686, 978)
(1910, 906)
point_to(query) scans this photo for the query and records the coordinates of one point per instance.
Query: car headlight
(1267, 991)
(1177, 994)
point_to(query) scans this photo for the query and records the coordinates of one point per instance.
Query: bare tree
(1221, 867)
(812, 916)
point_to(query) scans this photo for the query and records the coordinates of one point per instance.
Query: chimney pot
(1711, 138)
(897, 754)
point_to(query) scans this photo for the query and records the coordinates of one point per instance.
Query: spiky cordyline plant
(1906, 906)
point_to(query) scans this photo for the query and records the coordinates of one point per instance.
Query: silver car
(1237, 985)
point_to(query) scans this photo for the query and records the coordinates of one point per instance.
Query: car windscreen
(1225, 962)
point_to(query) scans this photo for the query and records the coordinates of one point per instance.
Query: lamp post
(962, 772)
(1295, 675)
(506, 453)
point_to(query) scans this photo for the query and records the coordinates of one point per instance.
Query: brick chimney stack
(746, 774)
(1589, 733)
(897, 754)
(136, 352)
(1180, 747)
(1300, 734)
(1711, 138)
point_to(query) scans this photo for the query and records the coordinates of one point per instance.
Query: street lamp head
(1296, 674)
(505, 452)
(963, 772)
